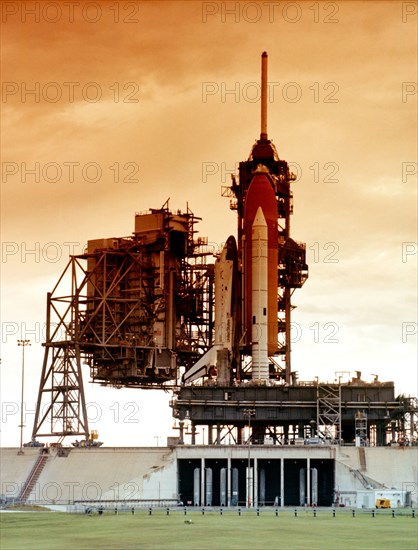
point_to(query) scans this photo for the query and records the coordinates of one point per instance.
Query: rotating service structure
(138, 306)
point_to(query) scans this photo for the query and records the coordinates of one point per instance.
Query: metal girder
(328, 419)
(61, 407)
(134, 309)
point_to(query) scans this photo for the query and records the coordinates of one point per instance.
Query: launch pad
(154, 310)
(288, 415)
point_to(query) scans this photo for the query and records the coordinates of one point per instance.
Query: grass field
(58, 531)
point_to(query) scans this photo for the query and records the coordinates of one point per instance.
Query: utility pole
(22, 343)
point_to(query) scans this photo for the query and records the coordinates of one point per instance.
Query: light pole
(249, 413)
(22, 343)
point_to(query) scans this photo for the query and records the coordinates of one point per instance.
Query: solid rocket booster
(260, 197)
(259, 295)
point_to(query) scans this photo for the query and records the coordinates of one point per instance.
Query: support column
(282, 482)
(239, 435)
(193, 433)
(181, 432)
(218, 434)
(380, 433)
(210, 435)
(228, 482)
(249, 486)
(393, 429)
(255, 483)
(308, 481)
(202, 482)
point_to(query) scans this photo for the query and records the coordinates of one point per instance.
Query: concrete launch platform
(147, 476)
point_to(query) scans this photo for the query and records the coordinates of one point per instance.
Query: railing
(33, 477)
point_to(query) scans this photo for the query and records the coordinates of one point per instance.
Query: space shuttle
(221, 355)
(246, 271)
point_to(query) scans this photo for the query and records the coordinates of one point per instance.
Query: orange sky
(344, 108)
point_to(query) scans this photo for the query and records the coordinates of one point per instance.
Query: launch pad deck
(298, 407)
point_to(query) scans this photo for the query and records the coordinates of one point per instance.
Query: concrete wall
(97, 473)
(15, 469)
(391, 467)
(151, 472)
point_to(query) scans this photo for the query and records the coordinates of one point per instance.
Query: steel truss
(329, 412)
(61, 406)
(404, 427)
(133, 311)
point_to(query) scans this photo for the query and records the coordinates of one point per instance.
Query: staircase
(33, 477)
(367, 481)
(362, 478)
(359, 474)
